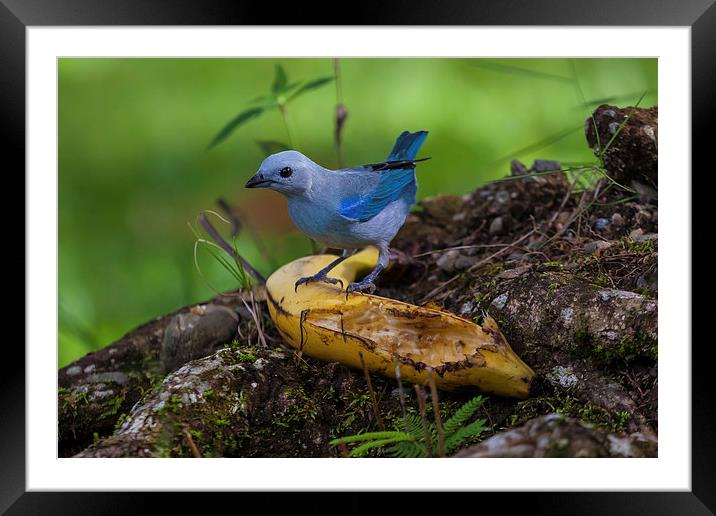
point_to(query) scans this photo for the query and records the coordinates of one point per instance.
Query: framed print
(329, 257)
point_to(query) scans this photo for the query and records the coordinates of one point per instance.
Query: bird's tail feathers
(407, 145)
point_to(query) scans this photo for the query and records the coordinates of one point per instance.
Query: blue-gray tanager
(347, 208)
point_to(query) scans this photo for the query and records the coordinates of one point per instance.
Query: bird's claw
(309, 279)
(360, 287)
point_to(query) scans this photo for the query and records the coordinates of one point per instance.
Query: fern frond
(462, 434)
(368, 436)
(363, 448)
(415, 426)
(407, 450)
(462, 415)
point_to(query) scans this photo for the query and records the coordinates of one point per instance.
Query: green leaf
(279, 80)
(238, 120)
(310, 85)
(369, 436)
(271, 146)
(291, 86)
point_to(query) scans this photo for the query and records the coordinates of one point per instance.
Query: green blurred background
(134, 167)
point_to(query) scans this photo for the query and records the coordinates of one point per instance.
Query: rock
(601, 224)
(497, 226)
(562, 376)
(443, 207)
(545, 165)
(555, 435)
(609, 324)
(196, 334)
(513, 273)
(632, 155)
(517, 168)
(453, 261)
(241, 402)
(597, 245)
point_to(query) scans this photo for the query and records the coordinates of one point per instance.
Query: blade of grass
(621, 126)
(539, 145)
(214, 234)
(516, 70)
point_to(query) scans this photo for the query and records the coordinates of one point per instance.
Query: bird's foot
(317, 277)
(362, 286)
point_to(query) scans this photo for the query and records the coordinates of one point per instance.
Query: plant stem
(284, 116)
(426, 431)
(436, 414)
(374, 401)
(341, 113)
(401, 393)
(214, 234)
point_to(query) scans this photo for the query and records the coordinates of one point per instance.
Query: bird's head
(287, 172)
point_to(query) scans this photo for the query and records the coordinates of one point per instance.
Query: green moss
(120, 420)
(495, 268)
(172, 405)
(112, 406)
(70, 400)
(302, 409)
(643, 247)
(246, 357)
(570, 406)
(627, 350)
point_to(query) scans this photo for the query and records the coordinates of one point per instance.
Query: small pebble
(73, 371)
(500, 301)
(601, 224)
(497, 226)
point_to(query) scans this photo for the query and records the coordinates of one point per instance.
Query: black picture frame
(17, 15)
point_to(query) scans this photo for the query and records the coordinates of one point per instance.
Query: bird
(348, 208)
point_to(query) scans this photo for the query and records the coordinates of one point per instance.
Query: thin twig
(194, 450)
(426, 432)
(565, 199)
(231, 215)
(256, 318)
(213, 233)
(374, 401)
(401, 394)
(437, 289)
(341, 113)
(460, 248)
(436, 414)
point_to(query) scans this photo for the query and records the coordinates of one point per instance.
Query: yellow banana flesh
(320, 321)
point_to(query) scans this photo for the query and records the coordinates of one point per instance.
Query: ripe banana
(320, 321)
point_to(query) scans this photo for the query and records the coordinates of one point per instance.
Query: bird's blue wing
(390, 186)
(396, 177)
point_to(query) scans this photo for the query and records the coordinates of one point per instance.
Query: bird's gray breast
(324, 224)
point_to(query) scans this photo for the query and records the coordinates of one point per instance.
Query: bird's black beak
(257, 181)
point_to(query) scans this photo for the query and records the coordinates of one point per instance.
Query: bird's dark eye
(286, 172)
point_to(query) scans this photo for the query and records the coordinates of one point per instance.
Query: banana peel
(320, 320)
